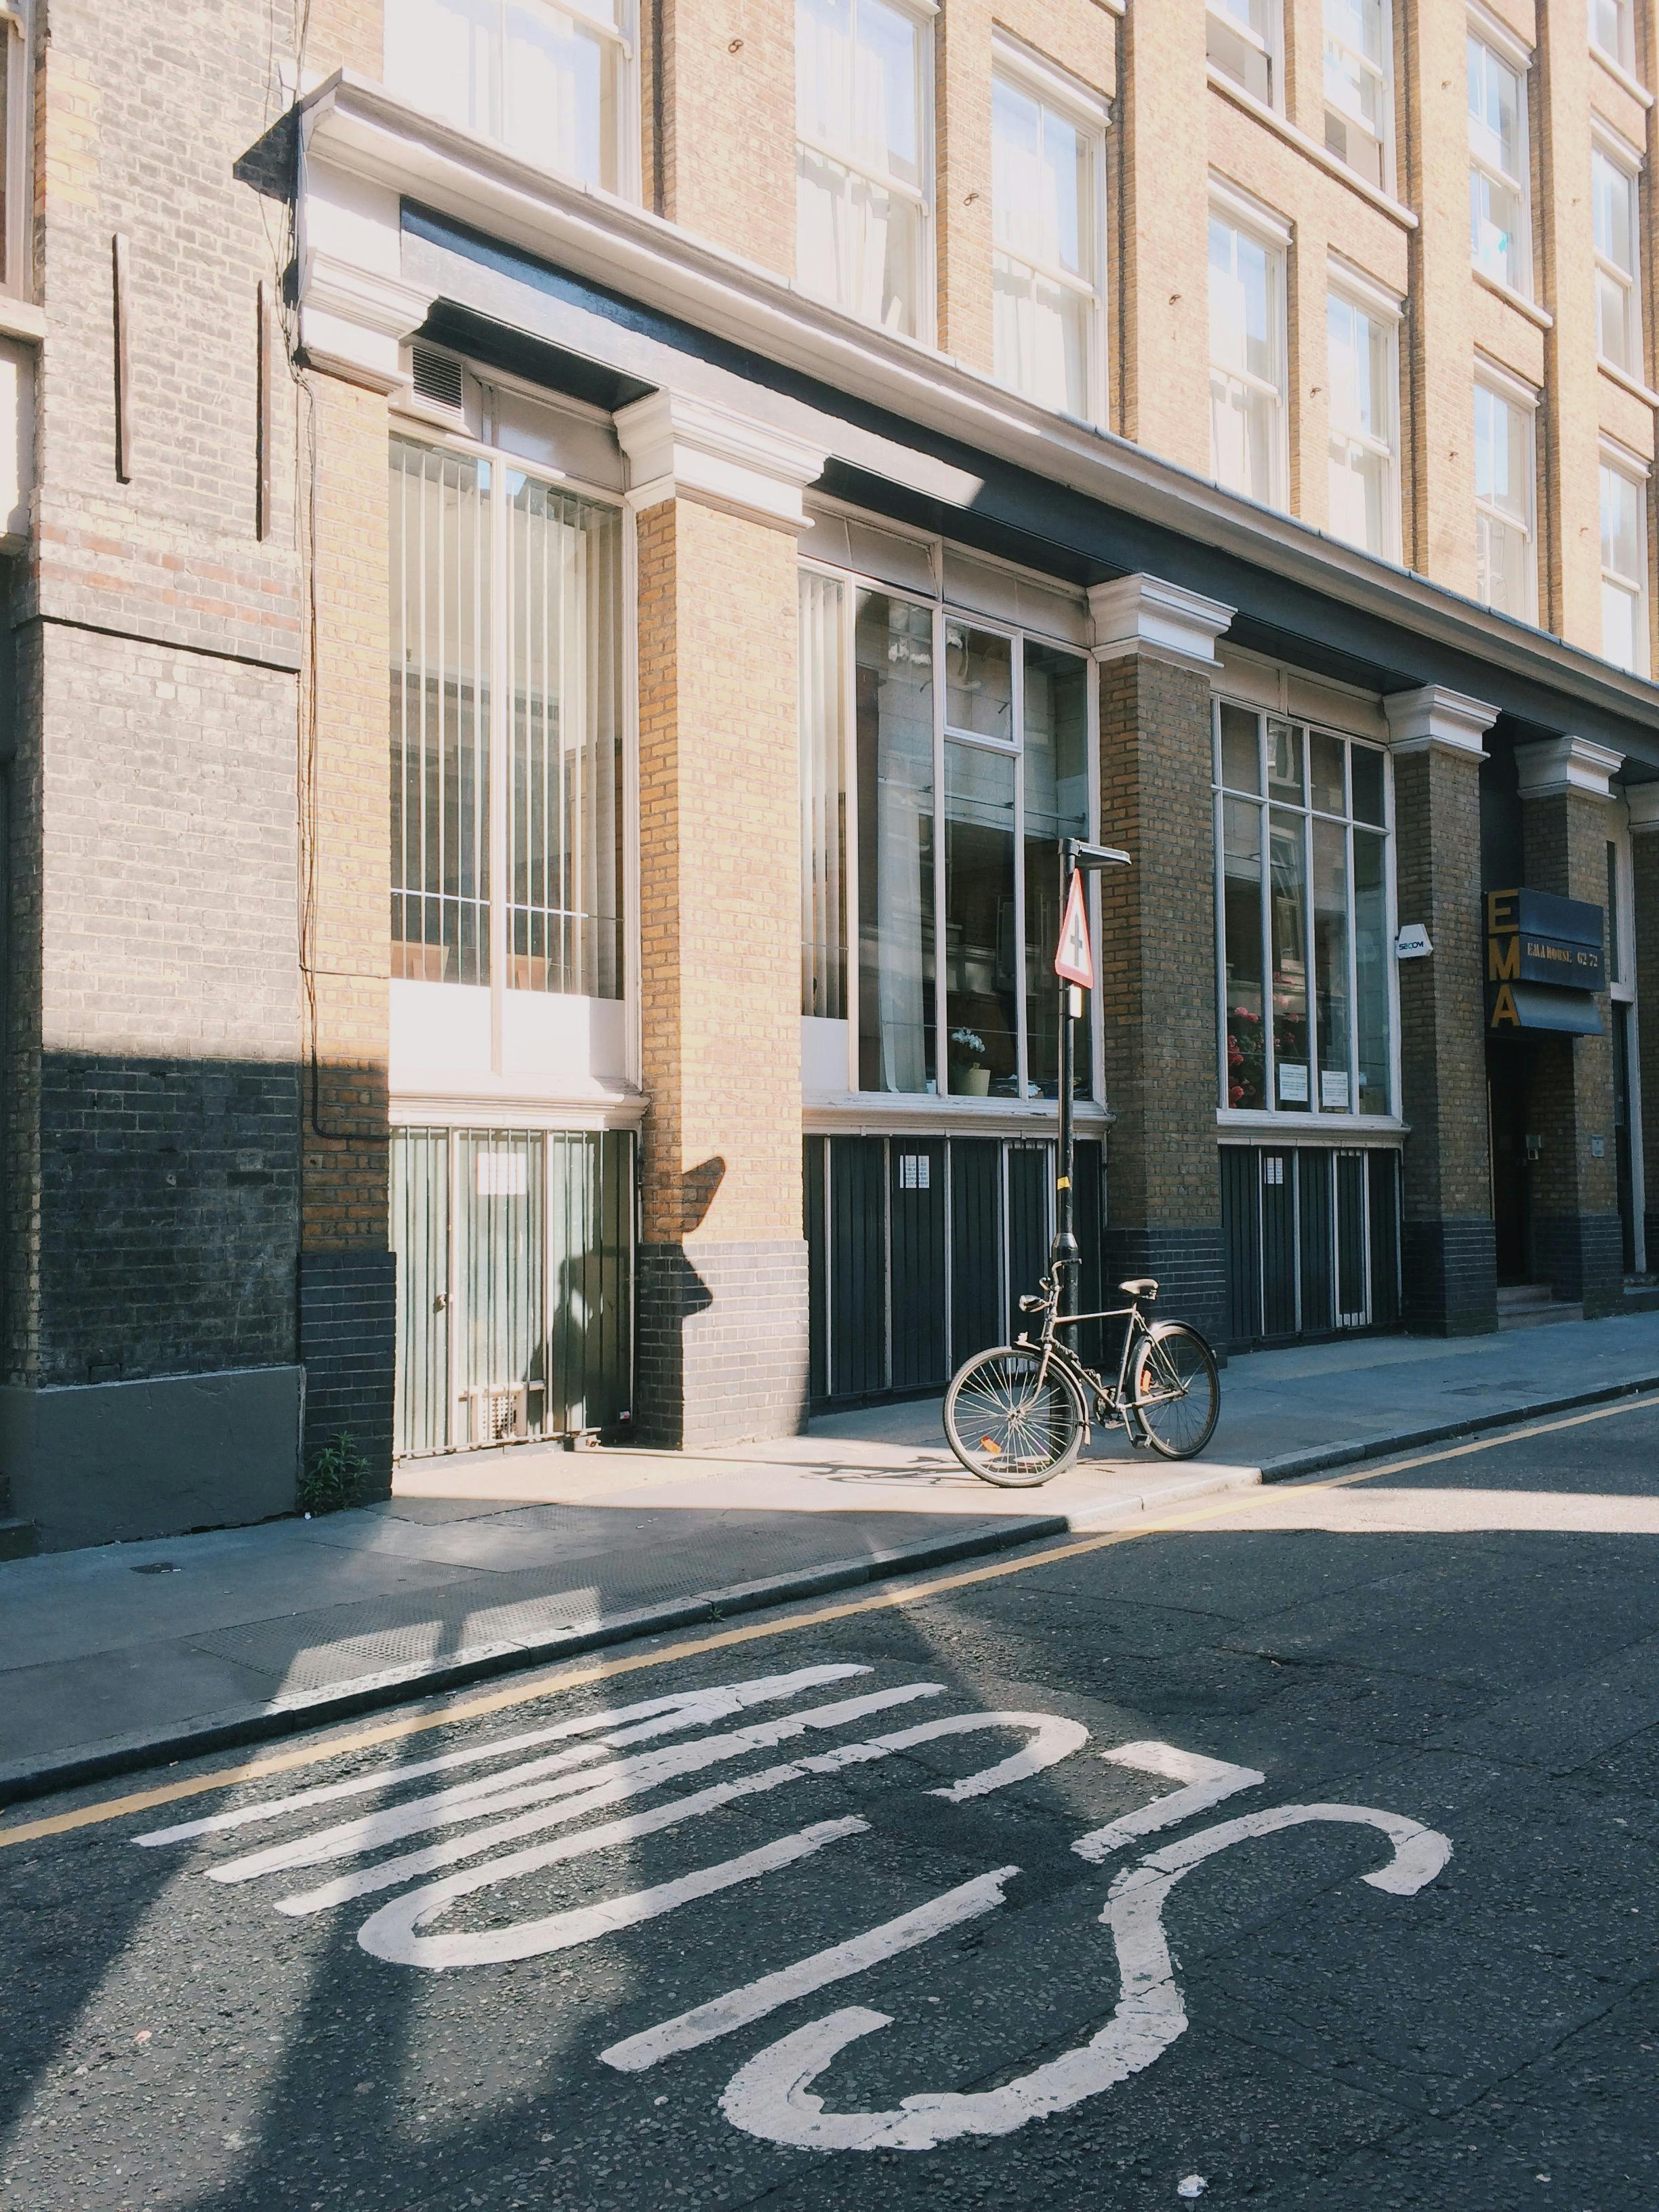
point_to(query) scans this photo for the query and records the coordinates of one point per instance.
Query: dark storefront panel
(1313, 1176)
(916, 1196)
(858, 1270)
(975, 1300)
(1241, 1232)
(1312, 1241)
(942, 1236)
(1277, 1242)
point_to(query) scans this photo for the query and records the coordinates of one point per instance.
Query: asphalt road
(1362, 1913)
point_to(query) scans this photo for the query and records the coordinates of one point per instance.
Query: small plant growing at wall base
(335, 1478)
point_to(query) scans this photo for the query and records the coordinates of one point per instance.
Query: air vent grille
(438, 378)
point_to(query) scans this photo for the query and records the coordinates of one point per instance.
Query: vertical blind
(822, 801)
(553, 810)
(440, 715)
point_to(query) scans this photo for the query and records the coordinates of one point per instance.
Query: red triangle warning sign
(1074, 961)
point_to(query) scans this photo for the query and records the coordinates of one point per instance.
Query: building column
(1156, 646)
(354, 313)
(1643, 800)
(1449, 1258)
(1565, 785)
(722, 1290)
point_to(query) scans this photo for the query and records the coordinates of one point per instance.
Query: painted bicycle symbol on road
(474, 1832)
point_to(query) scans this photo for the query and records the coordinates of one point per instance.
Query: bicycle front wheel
(1009, 1423)
(1176, 1390)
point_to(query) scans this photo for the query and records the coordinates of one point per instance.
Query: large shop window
(506, 794)
(554, 83)
(863, 115)
(1303, 852)
(941, 762)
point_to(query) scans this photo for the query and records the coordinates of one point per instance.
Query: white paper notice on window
(1333, 1088)
(1293, 1083)
(503, 1175)
(914, 1170)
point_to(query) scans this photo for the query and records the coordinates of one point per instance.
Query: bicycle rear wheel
(1176, 1390)
(1007, 1426)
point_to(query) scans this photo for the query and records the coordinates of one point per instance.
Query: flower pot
(974, 1082)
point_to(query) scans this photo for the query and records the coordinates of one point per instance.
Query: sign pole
(1074, 967)
(1064, 1254)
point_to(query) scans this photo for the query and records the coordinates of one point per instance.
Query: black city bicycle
(1019, 1414)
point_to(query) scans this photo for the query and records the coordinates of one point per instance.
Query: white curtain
(823, 799)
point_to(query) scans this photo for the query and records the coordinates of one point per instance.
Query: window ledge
(1622, 77)
(1627, 382)
(1284, 128)
(20, 318)
(1518, 300)
(1241, 1120)
(892, 1113)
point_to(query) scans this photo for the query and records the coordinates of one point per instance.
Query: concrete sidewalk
(120, 1656)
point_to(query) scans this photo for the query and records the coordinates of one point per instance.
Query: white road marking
(1208, 1780)
(586, 1791)
(771, 2096)
(651, 1717)
(740, 2008)
(396, 1923)
(562, 1931)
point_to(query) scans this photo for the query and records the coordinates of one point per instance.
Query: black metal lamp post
(1076, 859)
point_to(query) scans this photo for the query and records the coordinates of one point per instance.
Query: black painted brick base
(1188, 1266)
(722, 1342)
(348, 1345)
(1449, 1285)
(1582, 1255)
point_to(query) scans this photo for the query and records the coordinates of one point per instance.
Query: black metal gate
(1311, 1237)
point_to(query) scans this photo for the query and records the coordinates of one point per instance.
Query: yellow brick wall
(726, 166)
(345, 804)
(719, 896)
(343, 33)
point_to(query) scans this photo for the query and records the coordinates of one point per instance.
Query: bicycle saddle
(1142, 1287)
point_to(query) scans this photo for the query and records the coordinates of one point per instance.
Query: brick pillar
(722, 1288)
(1449, 1259)
(1576, 1239)
(347, 1271)
(1644, 801)
(1155, 642)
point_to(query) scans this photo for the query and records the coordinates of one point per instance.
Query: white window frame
(1503, 45)
(480, 442)
(1385, 75)
(1241, 213)
(17, 28)
(922, 13)
(1272, 48)
(1089, 115)
(1626, 162)
(1502, 385)
(1623, 56)
(941, 1098)
(1363, 293)
(1617, 461)
(1314, 1119)
(623, 36)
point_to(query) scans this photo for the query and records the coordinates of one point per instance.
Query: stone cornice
(1132, 612)
(682, 447)
(1434, 717)
(1555, 765)
(364, 134)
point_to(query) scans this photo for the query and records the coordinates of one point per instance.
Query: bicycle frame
(1097, 1394)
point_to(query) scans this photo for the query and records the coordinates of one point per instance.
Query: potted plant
(970, 1078)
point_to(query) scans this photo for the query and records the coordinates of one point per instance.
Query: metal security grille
(440, 713)
(564, 795)
(515, 1266)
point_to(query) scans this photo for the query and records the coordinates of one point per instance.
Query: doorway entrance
(1509, 1090)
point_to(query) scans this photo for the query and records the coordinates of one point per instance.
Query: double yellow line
(605, 1670)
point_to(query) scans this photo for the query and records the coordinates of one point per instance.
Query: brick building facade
(568, 566)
